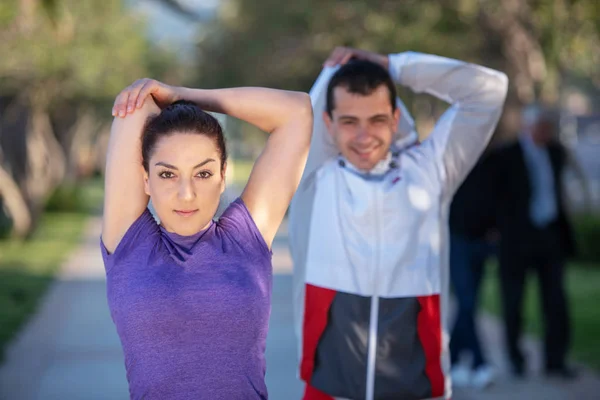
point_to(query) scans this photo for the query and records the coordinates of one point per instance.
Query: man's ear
(328, 122)
(396, 118)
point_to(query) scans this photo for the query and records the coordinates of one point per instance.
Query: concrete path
(536, 386)
(70, 350)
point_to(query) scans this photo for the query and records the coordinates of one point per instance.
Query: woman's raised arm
(124, 196)
(286, 116)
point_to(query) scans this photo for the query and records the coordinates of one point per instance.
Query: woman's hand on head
(133, 96)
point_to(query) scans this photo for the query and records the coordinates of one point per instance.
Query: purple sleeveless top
(192, 312)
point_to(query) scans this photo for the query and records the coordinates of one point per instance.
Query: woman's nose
(186, 190)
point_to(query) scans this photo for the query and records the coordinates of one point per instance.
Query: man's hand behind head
(341, 55)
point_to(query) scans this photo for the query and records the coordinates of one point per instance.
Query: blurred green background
(63, 61)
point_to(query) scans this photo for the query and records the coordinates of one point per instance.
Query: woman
(191, 297)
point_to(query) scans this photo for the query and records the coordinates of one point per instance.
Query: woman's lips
(186, 213)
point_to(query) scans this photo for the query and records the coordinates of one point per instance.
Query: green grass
(84, 197)
(583, 288)
(27, 267)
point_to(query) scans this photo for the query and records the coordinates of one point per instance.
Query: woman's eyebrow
(164, 164)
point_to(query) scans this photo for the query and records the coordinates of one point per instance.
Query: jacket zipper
(374, 315)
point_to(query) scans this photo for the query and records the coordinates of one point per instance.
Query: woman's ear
(223, 175)
(146, 186)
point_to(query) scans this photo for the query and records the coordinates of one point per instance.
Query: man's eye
(166, 175)
(348, 123)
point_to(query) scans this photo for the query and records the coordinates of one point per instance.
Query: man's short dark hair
(360, 77)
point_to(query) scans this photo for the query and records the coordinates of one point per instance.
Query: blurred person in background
(472, 244)
(368, 224)
(191, 297)
(535, 235)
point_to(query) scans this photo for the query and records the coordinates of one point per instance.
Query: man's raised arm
(476, 95)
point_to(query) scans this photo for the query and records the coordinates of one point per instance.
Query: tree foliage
(283, 45)
(540, 44)
(63, 61)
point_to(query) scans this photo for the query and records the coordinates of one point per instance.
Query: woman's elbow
(306, 113)
(304, 105)
(303, 113)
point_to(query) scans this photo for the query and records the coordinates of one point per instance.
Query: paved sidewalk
(536, 386)
(70, 350)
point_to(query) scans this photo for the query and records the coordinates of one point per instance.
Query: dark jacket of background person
(525, 247)
(513, 194)
(473, 209)
(471, 219)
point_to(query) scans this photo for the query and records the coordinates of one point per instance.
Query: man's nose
(362, 135)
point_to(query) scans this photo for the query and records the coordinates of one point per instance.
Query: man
(472, 243)
(535, 233)
(368, 225)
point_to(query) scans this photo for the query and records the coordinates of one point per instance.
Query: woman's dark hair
(181, 117)
(360, 77)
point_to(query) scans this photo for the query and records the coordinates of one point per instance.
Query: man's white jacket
(370, 251)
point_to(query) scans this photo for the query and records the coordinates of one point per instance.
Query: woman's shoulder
(144, 230)
(239, 225)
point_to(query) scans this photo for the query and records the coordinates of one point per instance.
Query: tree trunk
(46, 160)
(512, 42)
(27, 15)
(15, 205)
(80, 160)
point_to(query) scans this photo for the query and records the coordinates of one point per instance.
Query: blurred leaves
(62, 64)
(541, 45)
(274, 43)
(283, 45)
(62, 49)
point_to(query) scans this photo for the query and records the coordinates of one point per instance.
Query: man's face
(362, 127)
(542, 133)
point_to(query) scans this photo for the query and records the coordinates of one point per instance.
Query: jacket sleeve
(476, 95)
(322, 147)
(321, 150)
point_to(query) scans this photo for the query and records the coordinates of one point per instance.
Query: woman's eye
(166, 175)
(204, 174)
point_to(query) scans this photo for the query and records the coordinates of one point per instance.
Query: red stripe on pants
(430, 334)
(316, 309)
(310, 393)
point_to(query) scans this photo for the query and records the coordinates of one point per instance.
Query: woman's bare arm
(286, 116)
(124, 196)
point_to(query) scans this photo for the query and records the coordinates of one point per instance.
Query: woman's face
(185, 182)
